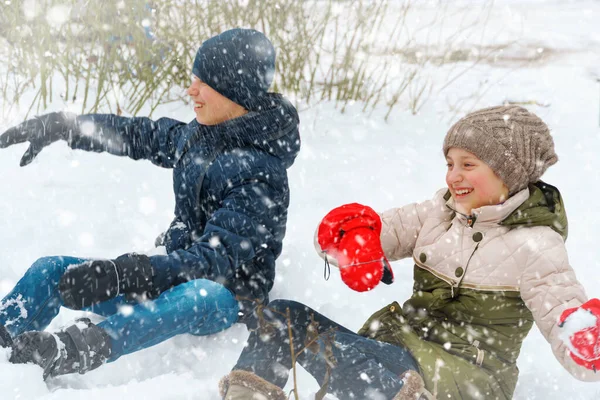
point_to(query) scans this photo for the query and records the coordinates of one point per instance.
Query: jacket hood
(544, 207)
(273, 128)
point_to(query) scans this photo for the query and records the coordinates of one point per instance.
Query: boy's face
(472, 182)
(210, 106)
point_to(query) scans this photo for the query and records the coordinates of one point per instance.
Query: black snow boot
(79, 348)
(5, 339)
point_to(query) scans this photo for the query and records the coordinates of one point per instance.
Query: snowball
(579, 320)
(126, 310)
(87, 128)
(58, 15)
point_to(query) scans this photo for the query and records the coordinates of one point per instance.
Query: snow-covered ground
(76, 203)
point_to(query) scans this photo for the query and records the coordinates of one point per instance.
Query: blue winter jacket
(231, 190)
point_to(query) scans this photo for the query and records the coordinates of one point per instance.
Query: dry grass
(327, 50)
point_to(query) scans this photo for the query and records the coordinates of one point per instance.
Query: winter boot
(79, 348)
(244, 385)
(5, 339)
(413, 388)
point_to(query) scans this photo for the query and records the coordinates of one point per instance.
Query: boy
(231, 193)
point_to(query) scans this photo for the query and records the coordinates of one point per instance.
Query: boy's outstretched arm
(136, 137)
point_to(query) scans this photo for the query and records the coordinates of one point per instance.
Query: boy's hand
(581, 333)
(95, 281)
(89, 283)
(40, 132)
(351, 234)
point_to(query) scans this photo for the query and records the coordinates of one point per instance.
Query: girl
(490, 261)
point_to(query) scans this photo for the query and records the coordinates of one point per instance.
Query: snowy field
(96, 205)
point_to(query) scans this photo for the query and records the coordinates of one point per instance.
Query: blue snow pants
(199, 307)
(353, 366)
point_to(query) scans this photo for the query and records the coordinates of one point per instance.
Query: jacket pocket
(382, 322)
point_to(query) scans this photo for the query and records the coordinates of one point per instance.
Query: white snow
(581, 319)
(19, 303)
(97, 205)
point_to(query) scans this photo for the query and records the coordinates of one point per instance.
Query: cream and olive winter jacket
(481, 281)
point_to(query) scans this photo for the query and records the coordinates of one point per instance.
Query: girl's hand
(351, 234)
(581, 333)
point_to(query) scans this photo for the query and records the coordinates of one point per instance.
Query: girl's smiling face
(472, 182)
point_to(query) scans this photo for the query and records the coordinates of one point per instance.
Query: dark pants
(353, 366)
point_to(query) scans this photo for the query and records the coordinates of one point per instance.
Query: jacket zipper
(471, 220)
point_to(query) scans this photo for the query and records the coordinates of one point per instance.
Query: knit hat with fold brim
(515, 143)
(239, 64)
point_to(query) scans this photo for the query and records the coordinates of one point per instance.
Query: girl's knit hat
(239, 64)
(515, 143)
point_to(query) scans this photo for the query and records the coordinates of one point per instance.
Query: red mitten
(581, 333)
(330, 230)
(361, 259)
(351, 234)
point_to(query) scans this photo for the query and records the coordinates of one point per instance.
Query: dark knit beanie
(239, 64)
(515, 143)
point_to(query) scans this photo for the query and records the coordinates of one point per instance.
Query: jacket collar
(493, 214)
(272, 128)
